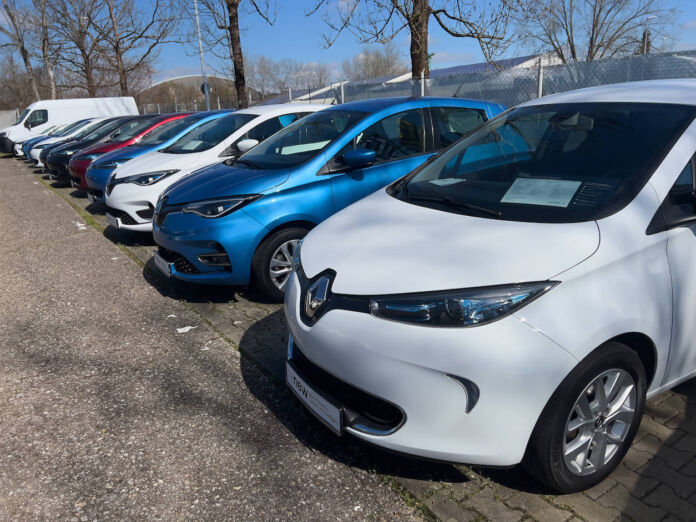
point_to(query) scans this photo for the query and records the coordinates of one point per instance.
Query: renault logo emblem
(316, 296)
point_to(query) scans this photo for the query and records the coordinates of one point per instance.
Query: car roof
(282, 108)
(680, 92)
(378, 104)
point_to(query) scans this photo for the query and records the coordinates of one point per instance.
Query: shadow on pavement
(287, 409)
(128, 238)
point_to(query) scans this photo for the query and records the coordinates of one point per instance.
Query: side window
(680, 204)
(451, 123)
(397, 136)
(266, 129)
(37, 117)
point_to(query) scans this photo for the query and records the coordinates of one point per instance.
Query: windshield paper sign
(545, 192)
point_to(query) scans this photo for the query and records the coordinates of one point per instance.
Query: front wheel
(590, 421)
(272, 262)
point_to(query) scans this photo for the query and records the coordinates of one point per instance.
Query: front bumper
(57, 169)
(190, 236)
(17, 150)
(131, 203)
(96, 182)
(76, 172)
(6, 144)
(515, 368)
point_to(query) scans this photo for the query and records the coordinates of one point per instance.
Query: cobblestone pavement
(656, 481)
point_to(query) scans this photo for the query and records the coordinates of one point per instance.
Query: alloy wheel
(281, 263)
(599, 422)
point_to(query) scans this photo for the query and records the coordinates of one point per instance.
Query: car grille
(180, 262)
(125, 218)
(362, 410)
(146, 213)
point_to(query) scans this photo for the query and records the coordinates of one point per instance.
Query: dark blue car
(230, 224)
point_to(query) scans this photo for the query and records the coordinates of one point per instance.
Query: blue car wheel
(272, 261)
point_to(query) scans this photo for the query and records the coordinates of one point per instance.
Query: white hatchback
(517, 297)
(136, 185)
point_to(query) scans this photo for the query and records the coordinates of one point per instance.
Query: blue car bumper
(96, 182)
(185, 238)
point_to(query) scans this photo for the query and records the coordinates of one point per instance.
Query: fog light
(216, 259)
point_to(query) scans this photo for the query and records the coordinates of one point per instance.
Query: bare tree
(374, 63)
(82, 56)
(586, 30)
(132, 37)
(15, 28)
(380, 21)
(43, 23)
(220, 26)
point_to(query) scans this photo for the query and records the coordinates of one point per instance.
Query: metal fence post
(343, 92)
(158, 109)
(218, 102)
(422, 83)
(289, 94)
(540, 79)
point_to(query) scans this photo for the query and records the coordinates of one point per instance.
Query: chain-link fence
(513, 86)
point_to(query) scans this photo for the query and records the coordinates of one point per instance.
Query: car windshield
(104, 129)
(88, 128)
(300, 141)
(209, 134)
(556, 163)
(21, 117)
(71, 127)
(130, 130)
(168, 130)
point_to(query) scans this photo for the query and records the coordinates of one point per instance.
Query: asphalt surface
(117, 402)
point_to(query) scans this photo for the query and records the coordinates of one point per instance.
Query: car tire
(271, 249)
(601, 440)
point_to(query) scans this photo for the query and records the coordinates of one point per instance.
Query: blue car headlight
(218, 207)
(471, 307)
(148, 178)
(111, 164)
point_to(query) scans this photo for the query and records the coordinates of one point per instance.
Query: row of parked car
(461, 282)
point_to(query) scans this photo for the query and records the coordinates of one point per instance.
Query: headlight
(473, 307)
(112, 164)
(218, 207)
(148, 178)
(296, 261)
(69, 152)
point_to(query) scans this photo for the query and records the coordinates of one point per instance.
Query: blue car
(99, 171)
(232, 224)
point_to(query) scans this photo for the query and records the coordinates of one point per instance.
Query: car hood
(222, 180)
(382, 245)
(101, 148)
(154, 161)
(122, 153)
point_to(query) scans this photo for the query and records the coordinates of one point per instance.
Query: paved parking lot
(113, 408)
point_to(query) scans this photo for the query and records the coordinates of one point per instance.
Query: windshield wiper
(461, 205)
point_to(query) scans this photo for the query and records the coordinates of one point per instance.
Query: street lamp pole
(645, 34)
(200, 51)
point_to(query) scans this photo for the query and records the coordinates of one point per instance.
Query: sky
(298, 37)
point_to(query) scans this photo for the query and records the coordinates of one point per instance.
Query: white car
(79, 130)
(518, 297)
(134, 187)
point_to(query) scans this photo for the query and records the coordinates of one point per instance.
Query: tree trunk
(30, 72)
(418, 26)
(118, 53)
(237, 59)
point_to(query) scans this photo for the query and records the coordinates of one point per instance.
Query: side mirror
(359, 158)
(245, 145)
(685, 196)
(27, 124)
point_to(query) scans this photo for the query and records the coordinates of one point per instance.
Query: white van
(44, 114)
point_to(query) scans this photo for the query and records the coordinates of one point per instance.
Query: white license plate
(323, 409)
(161, 264)
(91, 197)
(113, 221)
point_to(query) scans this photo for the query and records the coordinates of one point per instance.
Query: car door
(679, 214)
(400, 143)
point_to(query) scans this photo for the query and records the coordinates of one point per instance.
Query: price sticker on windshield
(542, 192)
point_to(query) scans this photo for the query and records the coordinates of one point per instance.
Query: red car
(128, 134)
